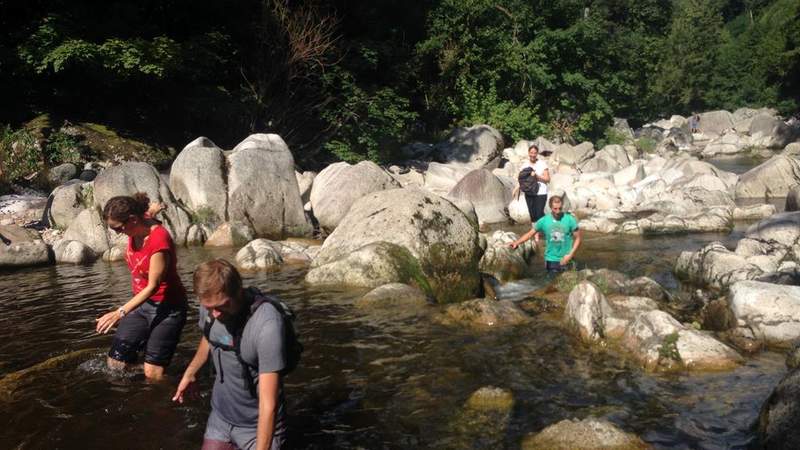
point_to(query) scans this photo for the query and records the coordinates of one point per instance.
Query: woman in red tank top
(154, 317)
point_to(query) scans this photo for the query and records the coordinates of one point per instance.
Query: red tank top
(170, 289)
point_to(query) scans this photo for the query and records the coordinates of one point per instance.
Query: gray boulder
(305, 181)
(475, 146)
(132, 177)
(486, 192)
(769, 131)
(503, 262)
(230, 234)
(260, 254)
(432, 230)
(62, 173)
(573, 156)
(715, 122)
(773, 178)
(21, 248)
(198, 178)
(662, 343)
(622, 127)
(339, 185)
(90, 229)
(73, 252)
(262, 188)
(584, 311)
(715, 266)
(68, 201)
(770, 311)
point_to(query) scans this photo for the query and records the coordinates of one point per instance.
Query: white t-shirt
(538, 168)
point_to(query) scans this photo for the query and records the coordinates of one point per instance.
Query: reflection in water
(366, 380)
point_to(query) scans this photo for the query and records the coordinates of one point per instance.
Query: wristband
(121, 311)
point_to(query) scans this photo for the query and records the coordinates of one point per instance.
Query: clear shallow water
(367, 379)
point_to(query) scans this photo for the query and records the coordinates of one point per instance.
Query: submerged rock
(490, 398)
(485, 313)
(260, 254)
(393, 295)
(587, 434)
(779, 421)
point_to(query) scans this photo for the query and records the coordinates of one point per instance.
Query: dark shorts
(554, 267)
(154, 327)
(221, 435)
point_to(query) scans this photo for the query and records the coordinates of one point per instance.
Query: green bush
(646, 144)
(20, 153)
(368, 125)
(612, 136)
(62, 148)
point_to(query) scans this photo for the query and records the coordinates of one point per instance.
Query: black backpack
(293, 348)
(528, 182)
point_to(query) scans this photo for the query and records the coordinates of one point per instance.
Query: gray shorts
(244, 438)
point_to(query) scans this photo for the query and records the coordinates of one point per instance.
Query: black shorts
(154, 327)
(554, 267)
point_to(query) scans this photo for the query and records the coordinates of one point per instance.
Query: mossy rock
(105, 144)
(491, 398)
(587, 434)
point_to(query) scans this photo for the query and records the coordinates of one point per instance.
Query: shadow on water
(367, 379)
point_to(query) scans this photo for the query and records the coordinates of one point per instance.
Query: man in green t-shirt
(561, 234)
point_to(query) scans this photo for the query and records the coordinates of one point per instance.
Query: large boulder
(715, 266)
(441, 178)
(198, 178)
(72, 252)
(474, 146)
(68, 201)
(339, 185)
(773, 178)
(771, 311)
(587, 434)
(89, 229)
(769, 131)
(230, 234)
(262, 188)
(715, 122)
(781, 229)
(436, 234)
(260, 254)
(573, 155)
(21, 248)
(487, 193)
(132, 177)
(305, 182)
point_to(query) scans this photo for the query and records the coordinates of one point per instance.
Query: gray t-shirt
(261, 347)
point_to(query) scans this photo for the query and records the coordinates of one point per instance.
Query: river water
(366, 380)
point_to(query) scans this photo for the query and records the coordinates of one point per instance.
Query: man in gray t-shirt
(247, 404)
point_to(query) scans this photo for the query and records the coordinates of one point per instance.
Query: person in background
(154, 317)
(246, 341)
(538, 168)
(561, 233)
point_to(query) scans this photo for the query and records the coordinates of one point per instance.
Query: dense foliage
(354, 79)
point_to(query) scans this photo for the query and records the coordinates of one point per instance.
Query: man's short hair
(554, 198)
(215, 277)
(533, 146)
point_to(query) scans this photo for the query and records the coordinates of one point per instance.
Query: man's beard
(558, 215)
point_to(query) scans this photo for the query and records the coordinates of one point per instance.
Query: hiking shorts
(222, 435)
(554, 267)
(154, 327)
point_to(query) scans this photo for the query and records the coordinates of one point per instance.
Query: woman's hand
(107, 321)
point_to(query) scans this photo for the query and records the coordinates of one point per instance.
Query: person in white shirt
(536, 200)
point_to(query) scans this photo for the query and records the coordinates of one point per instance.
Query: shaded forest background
(355, 79)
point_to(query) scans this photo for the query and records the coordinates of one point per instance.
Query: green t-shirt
(557, 235)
